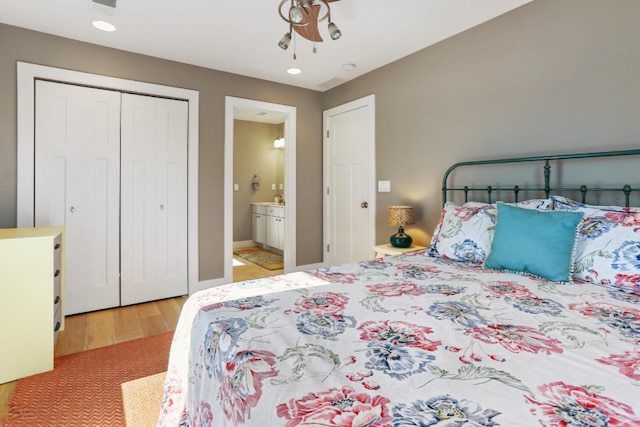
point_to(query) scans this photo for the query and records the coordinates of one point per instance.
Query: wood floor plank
(250, 271)
(126, 324)
(100, 329)
(152, 325)
(147, 309)
(6, 390)
(170, 311)
(73, 338)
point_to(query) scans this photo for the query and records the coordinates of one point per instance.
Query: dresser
(31, 299)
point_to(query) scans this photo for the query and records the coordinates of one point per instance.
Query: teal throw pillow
(540, 243)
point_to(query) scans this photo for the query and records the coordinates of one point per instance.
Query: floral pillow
(464, 233)
(608, 247)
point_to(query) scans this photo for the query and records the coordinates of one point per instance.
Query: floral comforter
(405, 341)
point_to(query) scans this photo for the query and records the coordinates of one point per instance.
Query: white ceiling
(241, 36)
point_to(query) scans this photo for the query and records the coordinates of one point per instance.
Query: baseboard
(244, 244)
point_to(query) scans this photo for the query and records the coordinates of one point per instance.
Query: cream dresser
(31, 295)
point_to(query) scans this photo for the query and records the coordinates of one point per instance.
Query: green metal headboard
(547, 188)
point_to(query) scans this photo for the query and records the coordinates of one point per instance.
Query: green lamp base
(400, 239)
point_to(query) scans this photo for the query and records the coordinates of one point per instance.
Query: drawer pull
(56, 299)
(58, 324)
(57, 273)
(56, 246)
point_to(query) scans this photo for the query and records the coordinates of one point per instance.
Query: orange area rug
(84, 389)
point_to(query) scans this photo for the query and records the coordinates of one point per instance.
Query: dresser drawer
(57, 321)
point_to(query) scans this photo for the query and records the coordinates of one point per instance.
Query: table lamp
(400, 216)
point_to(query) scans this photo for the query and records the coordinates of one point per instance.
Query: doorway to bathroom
(259, 186)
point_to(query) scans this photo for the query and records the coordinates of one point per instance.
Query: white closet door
(349, 148)
(77, 161)
(153, 198)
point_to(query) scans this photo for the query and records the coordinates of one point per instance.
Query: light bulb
(284, 41)
(295, 15)
(334, 31)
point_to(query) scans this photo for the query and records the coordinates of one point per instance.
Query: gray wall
(18, 44)
(552, 76)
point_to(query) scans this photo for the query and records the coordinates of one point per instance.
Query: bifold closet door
(77, 180)
(153, 198)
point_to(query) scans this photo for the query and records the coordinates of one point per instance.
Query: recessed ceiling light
(294, 71)
(349, 67)
(104, 26)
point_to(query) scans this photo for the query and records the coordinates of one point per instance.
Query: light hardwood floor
(106, 327)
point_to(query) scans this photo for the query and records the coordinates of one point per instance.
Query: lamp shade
(400, 215)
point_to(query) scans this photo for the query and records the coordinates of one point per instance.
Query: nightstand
(382, 250)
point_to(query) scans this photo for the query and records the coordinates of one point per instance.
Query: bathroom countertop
(268, 203)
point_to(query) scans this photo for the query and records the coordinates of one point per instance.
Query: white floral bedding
(405, 341)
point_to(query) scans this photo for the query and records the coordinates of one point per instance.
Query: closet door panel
(77, 168)
(154, 198)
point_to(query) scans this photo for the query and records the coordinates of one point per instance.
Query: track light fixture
(303, 17)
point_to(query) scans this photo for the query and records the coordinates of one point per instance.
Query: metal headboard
(547, 188)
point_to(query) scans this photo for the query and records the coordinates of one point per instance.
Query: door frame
(232, 103)
(27, 73)
(369, 102)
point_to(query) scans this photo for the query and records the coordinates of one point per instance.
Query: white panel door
(153, 198)
(77, 161)
(349, 175)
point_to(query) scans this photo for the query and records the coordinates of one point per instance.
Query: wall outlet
(273, 186)
(384, 186)
(236, 187)
(281, 187)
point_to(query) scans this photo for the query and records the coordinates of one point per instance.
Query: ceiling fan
(304, 16)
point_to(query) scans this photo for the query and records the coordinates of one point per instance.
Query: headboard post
(547, 178)
(627, 191)
(583, 193)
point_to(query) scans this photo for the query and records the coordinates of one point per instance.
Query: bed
(521, 313)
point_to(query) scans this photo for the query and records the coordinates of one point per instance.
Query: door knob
(364, 205)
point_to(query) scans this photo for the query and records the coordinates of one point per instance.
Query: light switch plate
(384, 186)
(236, 187)
(273, 186)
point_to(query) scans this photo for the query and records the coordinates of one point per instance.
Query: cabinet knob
(161, 207)
(56, 299)
(57, 327)
(56, 273)
(364, 205)
(56, 246)
(72, 209)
